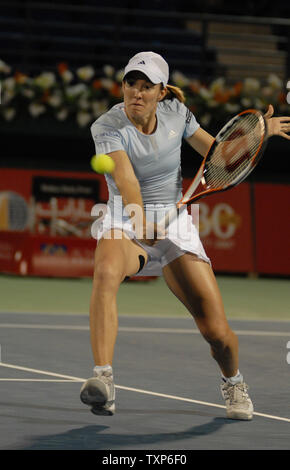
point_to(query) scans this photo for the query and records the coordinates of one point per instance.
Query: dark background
(45, 143)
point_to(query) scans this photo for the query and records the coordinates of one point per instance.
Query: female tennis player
(143, 135)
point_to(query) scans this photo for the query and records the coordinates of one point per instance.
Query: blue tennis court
(167, 386)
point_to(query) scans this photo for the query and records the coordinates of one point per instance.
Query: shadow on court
(91, 438)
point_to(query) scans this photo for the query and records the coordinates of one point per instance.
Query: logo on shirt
(188, 116)
(172, 134)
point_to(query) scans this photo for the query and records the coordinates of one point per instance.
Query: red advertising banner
(225, 228)
(272, 228)
(14, 249)
(45, 221)
(45, 224)
(62, 257)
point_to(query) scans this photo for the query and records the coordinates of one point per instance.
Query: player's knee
(107, 273)
(218, 336)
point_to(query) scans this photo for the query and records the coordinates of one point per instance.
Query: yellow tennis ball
(102, 163)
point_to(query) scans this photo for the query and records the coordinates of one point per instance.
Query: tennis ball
(102, 163)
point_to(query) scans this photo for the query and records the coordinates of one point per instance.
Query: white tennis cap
(152, 65)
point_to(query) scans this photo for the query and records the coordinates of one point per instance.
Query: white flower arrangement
(180, 79)
(62, 114)
(76, 90)
(9, 114)
(9, 83)
(36, 109)
(107, 83)
(55, 99)
(85, 73)
(67, 76)
(45, 80)
(82, 96)
(84, 118)
(109, 71)
(251, 85)
(275, 82)
(4, 68)
(120, 75)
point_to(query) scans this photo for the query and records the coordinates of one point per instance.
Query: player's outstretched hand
(277, 125)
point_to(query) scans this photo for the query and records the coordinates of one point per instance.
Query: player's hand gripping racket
(233, 155)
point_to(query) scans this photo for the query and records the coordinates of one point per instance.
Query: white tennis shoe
(98, 392)
(238, 402)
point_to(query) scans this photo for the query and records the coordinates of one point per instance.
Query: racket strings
(235, 151)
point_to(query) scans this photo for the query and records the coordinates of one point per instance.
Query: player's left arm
(277, 125)
(200, 141)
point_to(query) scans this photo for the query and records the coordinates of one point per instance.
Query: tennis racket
(233, 155)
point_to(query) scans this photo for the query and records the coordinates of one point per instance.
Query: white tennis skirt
(181, 237)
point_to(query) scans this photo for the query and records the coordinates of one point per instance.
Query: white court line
(43, 326)
(36, 380)
(137, 390)
(44, 372)
(141, 329)
(196, 331)
(147, 316)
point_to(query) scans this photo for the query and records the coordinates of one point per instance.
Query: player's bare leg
(193, 282)
(114, 260)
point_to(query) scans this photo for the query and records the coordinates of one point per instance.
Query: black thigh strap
(141, 266)
(142, 262)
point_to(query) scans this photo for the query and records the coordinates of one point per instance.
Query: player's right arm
(130, 191)
(126, 180)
